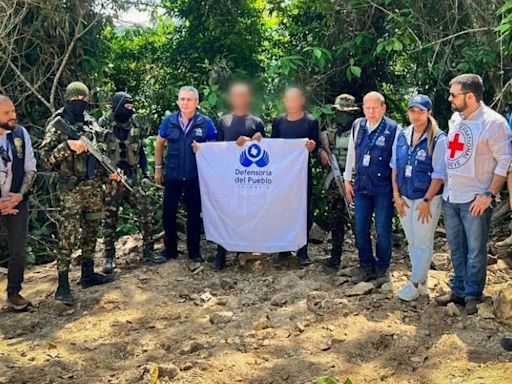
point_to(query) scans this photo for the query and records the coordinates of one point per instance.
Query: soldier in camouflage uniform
(80, 188)
(125, 148)
(346, 111)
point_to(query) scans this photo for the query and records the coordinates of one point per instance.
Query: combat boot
(220, 259)
(63, 293)
(303, 256)
(109, 265)
(151, 257)
(90, 278)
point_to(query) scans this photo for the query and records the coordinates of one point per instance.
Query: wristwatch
(426, 200)
(489, 194)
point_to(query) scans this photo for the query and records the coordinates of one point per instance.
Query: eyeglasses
(457, 94)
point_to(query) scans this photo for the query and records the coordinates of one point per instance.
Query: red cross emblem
(455, 145)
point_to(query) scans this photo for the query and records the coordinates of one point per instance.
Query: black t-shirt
(231, 127)
(307, 127)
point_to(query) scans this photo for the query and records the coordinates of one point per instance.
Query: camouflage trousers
(81, 214)
(116, 194)
(337, 217)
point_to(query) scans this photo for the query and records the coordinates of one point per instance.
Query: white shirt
(493, 155)
(30, 160)
(351, 154)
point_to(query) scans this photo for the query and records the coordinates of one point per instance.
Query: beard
(460, 108)
(8, 125)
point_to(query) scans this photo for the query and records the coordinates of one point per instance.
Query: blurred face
(129, 106)
(7, 116)
(458, 98)
(417, 116)
(373, 110)
(294, 101)
(240, 98)
(187, 102)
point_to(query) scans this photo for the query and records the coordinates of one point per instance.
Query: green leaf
(326, 380)
(317, 52)
(356, 71)
(212, 98)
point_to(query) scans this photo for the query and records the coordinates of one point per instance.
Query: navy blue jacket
(180, 161)
(18, 157)
(415, 186)
(375, 178)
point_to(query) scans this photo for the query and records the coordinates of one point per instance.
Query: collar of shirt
(372, 127)
(185, 126)
(408, 134)
(475, 115)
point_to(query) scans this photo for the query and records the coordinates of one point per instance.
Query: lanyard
(186, 127)
(411, 151)
(378, 133)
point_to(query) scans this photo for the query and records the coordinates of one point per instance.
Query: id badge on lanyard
(408, 170)
(366, 160)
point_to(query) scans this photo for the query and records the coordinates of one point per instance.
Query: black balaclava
(75, 109)
(119, 111)
(344, 120)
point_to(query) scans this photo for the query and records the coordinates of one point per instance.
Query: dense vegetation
(327, 46)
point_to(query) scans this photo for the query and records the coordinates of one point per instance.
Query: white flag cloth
(254, 198)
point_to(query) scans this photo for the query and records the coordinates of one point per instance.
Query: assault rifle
(336, 172)
(63, 126)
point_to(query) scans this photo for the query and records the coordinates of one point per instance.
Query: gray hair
(189, 88)
(376, 96)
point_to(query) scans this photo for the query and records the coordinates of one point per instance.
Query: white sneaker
(408, 292)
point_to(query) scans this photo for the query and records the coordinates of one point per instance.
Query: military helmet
(345, 103)
(76, 89)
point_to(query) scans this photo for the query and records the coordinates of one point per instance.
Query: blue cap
(422, 102)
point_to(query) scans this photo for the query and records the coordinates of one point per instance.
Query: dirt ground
(259, 323)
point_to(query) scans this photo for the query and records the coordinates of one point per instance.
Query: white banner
(254, 198)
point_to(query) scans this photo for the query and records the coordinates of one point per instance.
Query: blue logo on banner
(254, 155)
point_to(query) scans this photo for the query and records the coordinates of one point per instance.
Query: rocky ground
(258, 323)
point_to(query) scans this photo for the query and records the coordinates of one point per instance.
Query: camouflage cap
(75, 89)
(345, 103)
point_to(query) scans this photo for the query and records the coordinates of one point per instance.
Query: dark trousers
(365, 206)
(174, 189)
(17, 228)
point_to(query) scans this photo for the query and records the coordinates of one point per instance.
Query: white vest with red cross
(463, 137)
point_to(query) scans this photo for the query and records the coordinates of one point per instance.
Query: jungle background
(398, 47)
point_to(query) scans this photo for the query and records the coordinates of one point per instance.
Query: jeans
(365, 206)
(467, 239)
(420, 237)
(17, 228)
(174, 189)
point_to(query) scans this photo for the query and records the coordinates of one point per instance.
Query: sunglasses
(457, 94)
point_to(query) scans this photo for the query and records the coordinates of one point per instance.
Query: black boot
(220, 259)
(63, 293)
(333, 262)
(283, 256)
(109, 265)
(151, 257)
(506, 343)
(303, 255)
(89, 278)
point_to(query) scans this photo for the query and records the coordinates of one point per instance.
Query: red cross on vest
(455, 145)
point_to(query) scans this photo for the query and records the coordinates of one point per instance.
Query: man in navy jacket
(179, 131)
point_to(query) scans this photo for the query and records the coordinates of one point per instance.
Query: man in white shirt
(477, 159)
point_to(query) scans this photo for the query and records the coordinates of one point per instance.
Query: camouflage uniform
(80, 191)
(117, 192)
(338, 134)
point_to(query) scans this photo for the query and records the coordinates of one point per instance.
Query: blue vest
(16, 140)
(416, 186)
(180, 161)
(376, 177)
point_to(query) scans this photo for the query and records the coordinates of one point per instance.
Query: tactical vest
(16, 140)
(133, 141)
(180, 161)
(415, 186)
(376, 177)
(75, 166)
(338, 144)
